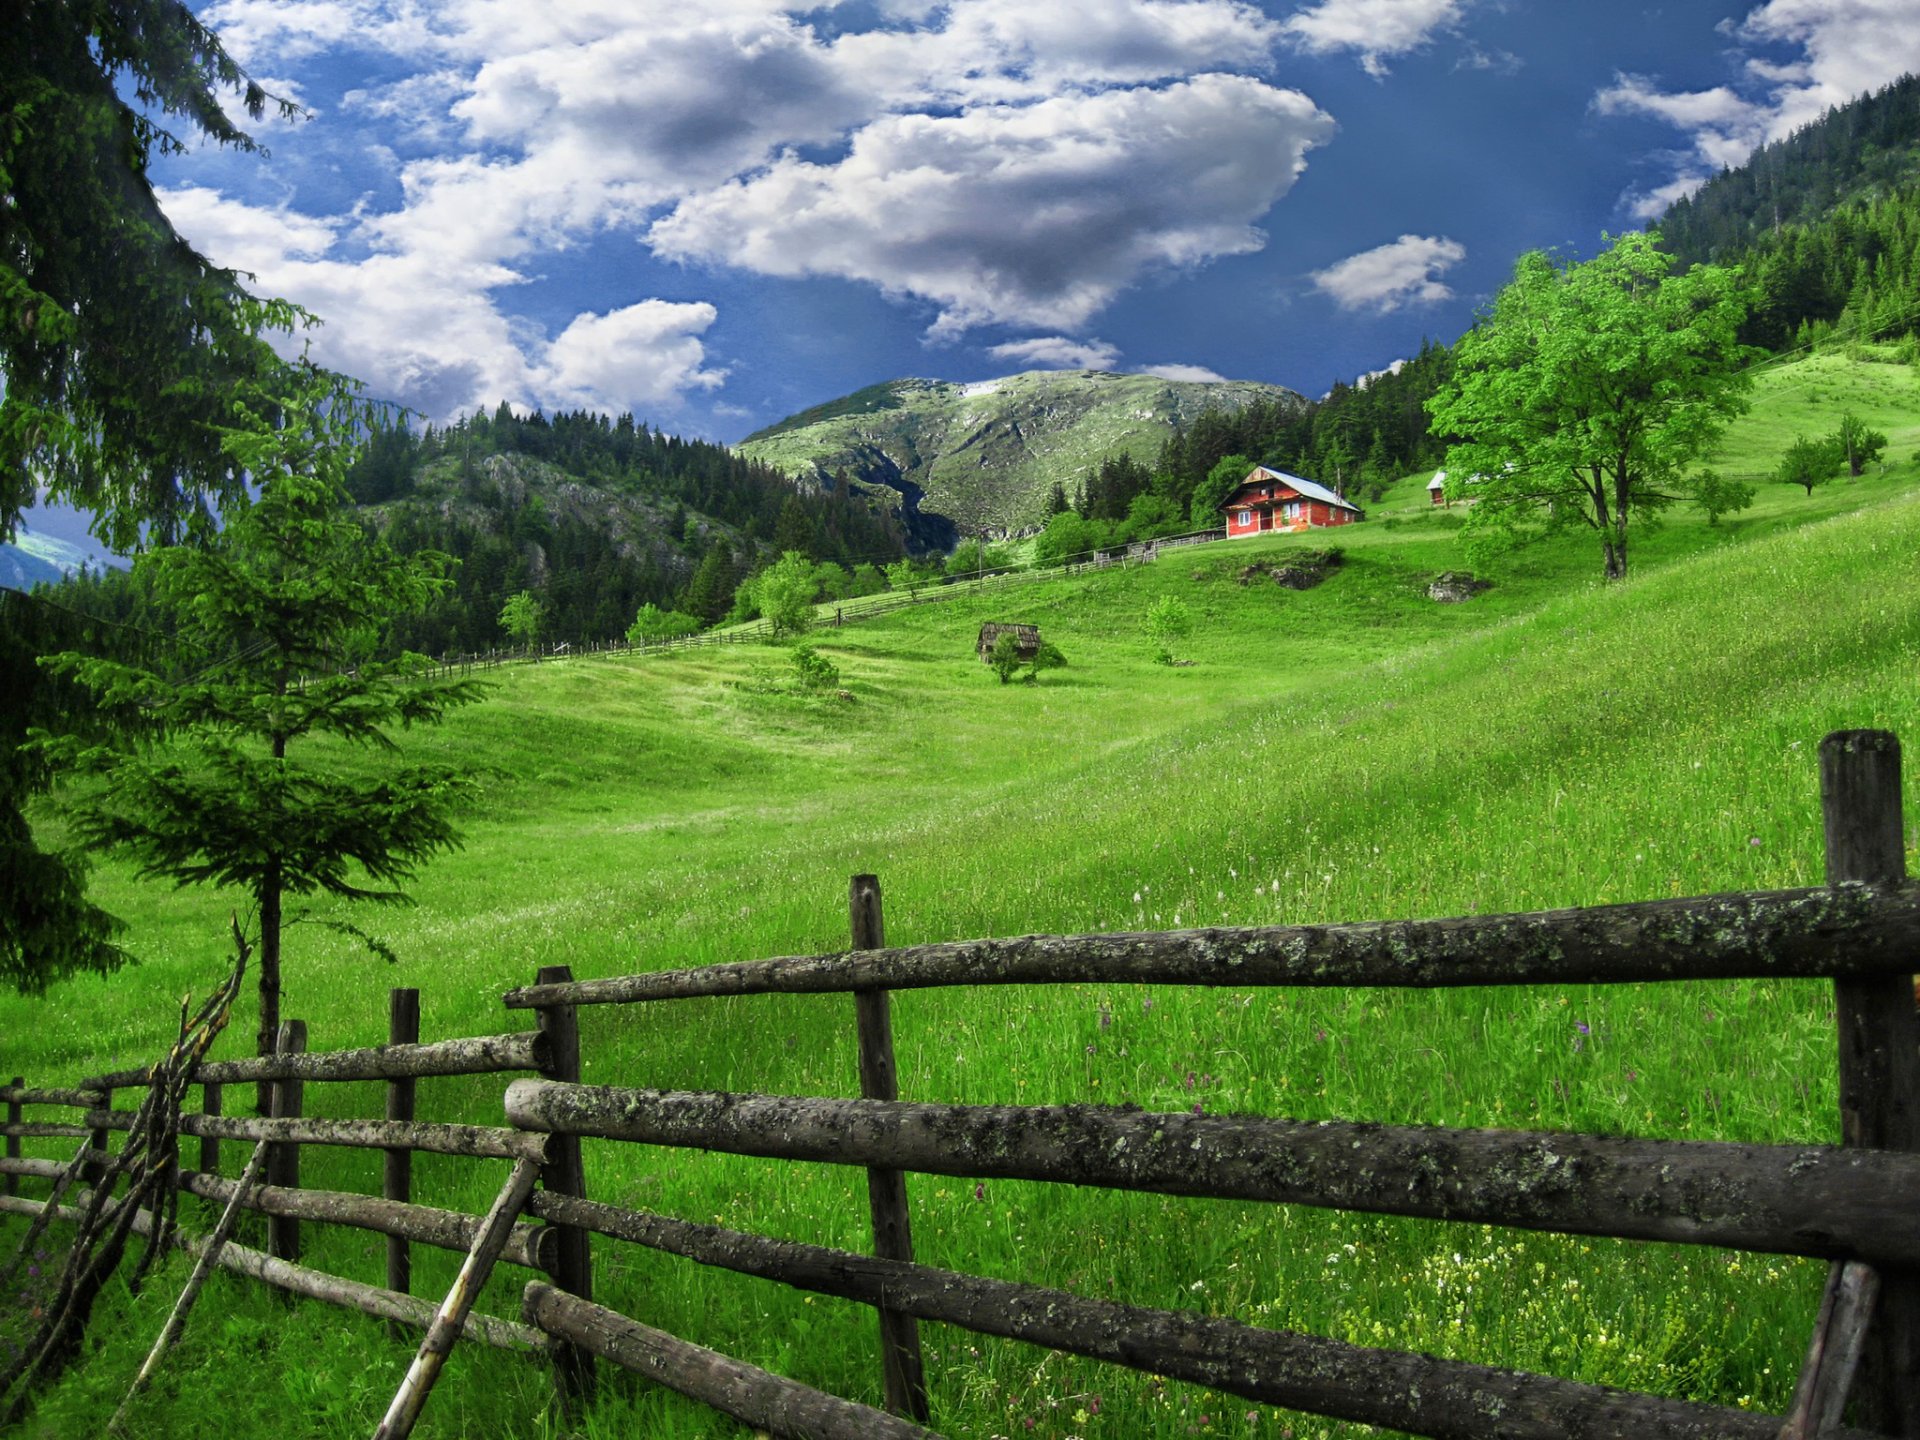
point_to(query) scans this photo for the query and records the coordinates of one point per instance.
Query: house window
(1293, 510)
(1246, 518)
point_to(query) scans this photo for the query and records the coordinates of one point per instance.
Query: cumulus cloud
(1390, 277)
(1004, 162)
(1057, 352)
(1844, 48)
(1374, 29)
(1028, 215)
(423, 328)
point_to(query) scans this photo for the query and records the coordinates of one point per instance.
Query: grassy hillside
(1353, 751)
(987, 455)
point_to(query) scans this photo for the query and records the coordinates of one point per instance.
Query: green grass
(1349, 752)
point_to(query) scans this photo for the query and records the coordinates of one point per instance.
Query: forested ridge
(1825, 224)
(593, 515)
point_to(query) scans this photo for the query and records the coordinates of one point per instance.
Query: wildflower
(979, 1191)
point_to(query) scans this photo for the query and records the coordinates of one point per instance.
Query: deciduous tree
(1588, 392)
(1859, 443)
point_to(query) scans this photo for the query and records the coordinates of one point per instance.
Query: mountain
(983, 458)
(21, 569)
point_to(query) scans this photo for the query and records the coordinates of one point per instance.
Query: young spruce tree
(279, 619)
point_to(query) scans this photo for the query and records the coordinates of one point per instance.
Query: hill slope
(985, 456)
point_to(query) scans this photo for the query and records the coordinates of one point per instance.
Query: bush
(1167, 620)
(653, 623)
(813, 670)
(1005, 656)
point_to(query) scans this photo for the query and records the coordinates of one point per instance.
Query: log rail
(1851, 1203)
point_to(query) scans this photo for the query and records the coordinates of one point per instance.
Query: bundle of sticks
(138, 1178)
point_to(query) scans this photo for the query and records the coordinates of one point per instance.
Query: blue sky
(716, 212)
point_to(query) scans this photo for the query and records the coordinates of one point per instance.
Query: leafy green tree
(520, 617)
(1168, 621)
(974, 556)
(1587, 392)
(867, 580)
(1211, 493)
(653, 623)
(1810, 462)
(1068, 535)
(812, 670)
(1004, 657)
(1859, 445)
(1046, 657)
(784, 592)
(1150, 515)
(903, 574)
(279, 620)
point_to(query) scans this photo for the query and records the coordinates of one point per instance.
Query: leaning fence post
(396, 1169)
(210, 1144)
(287, 1102)
(564, 1174)
(901, 1369)
(1879, 1049)
(93, 1171)
(13, 1139)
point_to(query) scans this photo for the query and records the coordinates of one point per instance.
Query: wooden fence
(1852, 1204)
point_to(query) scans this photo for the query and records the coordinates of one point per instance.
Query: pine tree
(279, 617)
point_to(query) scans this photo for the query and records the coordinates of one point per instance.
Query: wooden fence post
(13, 1141)
(565, 1175)
(1879, 1049)
(93, 1171)
(210, 1099)
(396, 1169)
(901, 1369)
(287, 1102)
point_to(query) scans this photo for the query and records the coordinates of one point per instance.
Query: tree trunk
(269, 979)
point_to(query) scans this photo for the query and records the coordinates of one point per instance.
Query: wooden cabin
(1027, 637)
(1272, 500)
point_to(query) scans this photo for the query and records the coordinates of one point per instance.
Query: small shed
(1027, 637)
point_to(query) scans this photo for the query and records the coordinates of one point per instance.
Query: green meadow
(1353, 751)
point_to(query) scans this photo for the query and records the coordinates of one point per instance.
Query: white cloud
(1375, 29)
(423, 328)
(1028, 215)
(1390, 277)
(1057, 352)
(1181, 372)
(1846, 47)
(1385, 370)
(640, 357)
(1008, 162)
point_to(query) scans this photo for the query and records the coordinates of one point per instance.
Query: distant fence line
(1849, 1203)
(834, 614)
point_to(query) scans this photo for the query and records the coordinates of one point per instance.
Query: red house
(1274, 500)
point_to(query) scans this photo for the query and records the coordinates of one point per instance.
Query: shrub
(813, 670)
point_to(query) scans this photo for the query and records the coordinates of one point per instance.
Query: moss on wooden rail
(768, 1402)
(1800, 1200)
(1421, 1394)
(529, 1246)
(486, 1142)
(477, 1055)
(1819, 931)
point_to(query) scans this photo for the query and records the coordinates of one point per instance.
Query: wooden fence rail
(1851, 1203)
(1845, 930)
